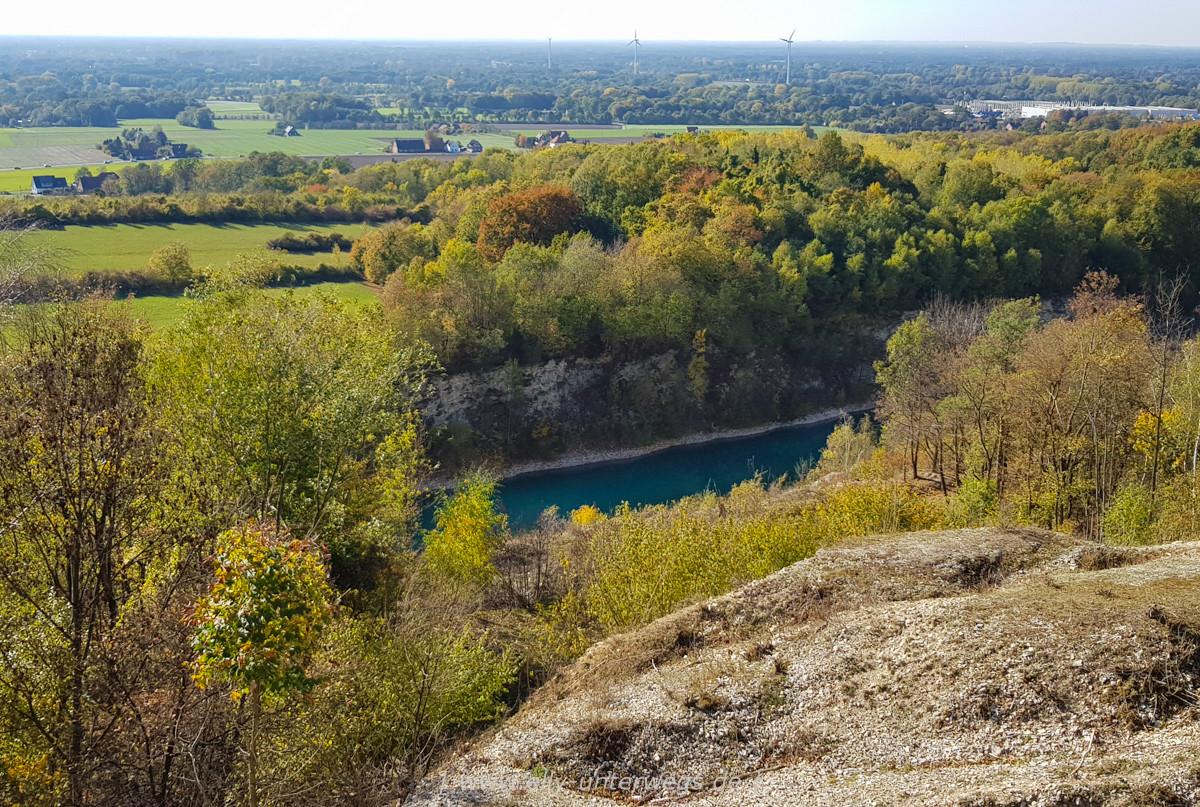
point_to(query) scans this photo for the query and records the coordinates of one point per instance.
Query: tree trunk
(78, 670)
(252, 751)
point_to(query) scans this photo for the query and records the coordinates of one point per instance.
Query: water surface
(663, 476)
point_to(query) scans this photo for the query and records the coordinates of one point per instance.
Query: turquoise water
(663, 476)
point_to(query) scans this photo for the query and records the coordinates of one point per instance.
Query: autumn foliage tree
(79, 476)
(1042, 415)
(394, 246)
(469, 529)
(533, 216)
(258, 625)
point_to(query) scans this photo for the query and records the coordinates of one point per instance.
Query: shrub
(585, 515)
(395, 694)
(1129, 517)
(847, 447)
(558, 635)
(310, 242)
(469, 529)
(382, 251)
(976, 502)
(647, 563)
(172, 262)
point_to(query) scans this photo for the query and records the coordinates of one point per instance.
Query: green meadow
(240, 137)
(63, 146)
(126, 247)
(165, 311)
(234, 107)
(53, 145)
(27, 149)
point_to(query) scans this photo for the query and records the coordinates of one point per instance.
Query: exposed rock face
(552, 390)
(542, 410)
(973, 667)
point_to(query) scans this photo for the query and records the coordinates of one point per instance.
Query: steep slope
(975, 667)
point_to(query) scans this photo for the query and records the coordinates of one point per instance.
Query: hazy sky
(1143, 22)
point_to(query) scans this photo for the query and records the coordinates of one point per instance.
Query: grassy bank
(160, 311)
(127, 247)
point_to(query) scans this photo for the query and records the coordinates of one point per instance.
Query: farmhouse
(408, 145)
(47, 184)
(93, 184)
(147, 151)
(552, 138)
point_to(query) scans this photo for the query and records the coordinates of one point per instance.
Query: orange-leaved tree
(532, 216)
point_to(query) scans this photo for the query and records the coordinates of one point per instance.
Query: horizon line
(567, 40)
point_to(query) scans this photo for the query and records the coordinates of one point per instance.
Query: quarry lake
(663, 476)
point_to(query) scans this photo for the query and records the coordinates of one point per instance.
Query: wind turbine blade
(792, 35)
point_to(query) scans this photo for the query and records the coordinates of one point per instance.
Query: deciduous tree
(533, 216)
(257, 627)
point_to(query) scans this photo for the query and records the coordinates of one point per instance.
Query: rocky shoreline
(581, 459)
(604, 456)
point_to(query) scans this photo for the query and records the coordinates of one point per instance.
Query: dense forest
(751, 263)
(886, 87)
(1086, 422)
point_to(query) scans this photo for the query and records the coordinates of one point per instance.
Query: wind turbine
(789, 40)
(635, 42)
(548, 45)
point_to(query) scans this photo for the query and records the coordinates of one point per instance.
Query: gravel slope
(971, 667)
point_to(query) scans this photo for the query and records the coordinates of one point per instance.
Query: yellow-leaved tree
(469, 529)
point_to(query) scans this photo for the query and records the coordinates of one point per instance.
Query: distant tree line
(889, 88)
(310, 242)
(315, 107)
(45, 100)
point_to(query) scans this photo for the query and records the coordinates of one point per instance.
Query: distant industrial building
(1040, 109)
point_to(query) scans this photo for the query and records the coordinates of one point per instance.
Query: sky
(1144, 22)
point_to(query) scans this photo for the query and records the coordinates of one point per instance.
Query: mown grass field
(53, 145)
(125, 247)
(164, 312)
(73, 146)
(234, 107)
